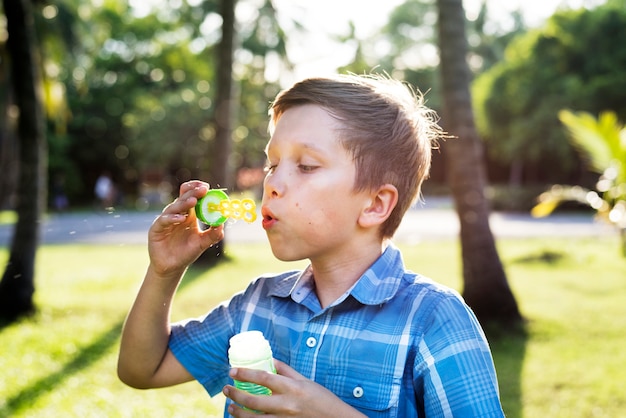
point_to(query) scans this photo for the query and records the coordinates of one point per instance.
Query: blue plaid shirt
(395, 345)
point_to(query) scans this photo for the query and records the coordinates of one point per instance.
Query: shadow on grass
(86, 357)
(508, 348)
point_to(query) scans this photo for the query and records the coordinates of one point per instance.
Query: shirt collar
(381, 281)
(377, 285)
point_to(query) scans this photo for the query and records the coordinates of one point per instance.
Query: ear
(379, 207)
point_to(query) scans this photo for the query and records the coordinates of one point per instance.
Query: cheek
(319, 209)
(326, 216)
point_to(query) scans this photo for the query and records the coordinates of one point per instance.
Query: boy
(354, 334)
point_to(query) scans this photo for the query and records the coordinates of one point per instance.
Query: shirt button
(311, 342)
(357, 392)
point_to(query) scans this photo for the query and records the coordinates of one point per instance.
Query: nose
(273, 185)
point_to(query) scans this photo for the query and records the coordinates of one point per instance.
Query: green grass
(570, 363)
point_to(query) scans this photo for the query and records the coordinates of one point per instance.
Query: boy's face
(309, 207)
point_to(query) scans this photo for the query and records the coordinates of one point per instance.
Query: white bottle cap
(248, 347)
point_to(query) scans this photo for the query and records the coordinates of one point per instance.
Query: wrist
(167, 277)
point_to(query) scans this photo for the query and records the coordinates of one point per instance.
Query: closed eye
(307, 168)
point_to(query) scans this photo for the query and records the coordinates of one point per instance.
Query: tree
(602, 145)
(8, 142)
(142, 87)
(410, 40)
(486, 288)
(139, 96)
(256, 41)
(223, 111)
(575, 60)
(220, 167)
(18, 282)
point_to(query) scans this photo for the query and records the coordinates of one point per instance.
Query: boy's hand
(175, 240)
(293, 395)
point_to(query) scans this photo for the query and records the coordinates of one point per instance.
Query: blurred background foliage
(574, 61)
(130, 91)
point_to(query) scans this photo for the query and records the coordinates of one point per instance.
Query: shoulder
(424, 283)
(428, 290)
(440, 307)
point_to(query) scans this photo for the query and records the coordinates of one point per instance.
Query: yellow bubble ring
(237, 209)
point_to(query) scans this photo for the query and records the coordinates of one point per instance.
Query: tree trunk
(486, 288)
(223, 112)
(9, 159)
(18, 282)
(220, 171)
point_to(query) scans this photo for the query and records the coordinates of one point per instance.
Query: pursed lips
(268, 218)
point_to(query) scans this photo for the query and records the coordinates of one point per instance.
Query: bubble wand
(216, 207)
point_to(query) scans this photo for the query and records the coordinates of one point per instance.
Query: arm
(292, 396)
(174, 242)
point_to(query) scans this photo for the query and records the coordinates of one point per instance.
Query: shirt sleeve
(201, 346)
(454, 368)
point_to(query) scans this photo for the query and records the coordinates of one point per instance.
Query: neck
(334, 277)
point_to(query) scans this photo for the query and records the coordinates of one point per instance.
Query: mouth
(268, 218)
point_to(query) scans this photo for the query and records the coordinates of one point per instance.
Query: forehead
(309, 126)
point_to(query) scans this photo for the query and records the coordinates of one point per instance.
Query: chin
(285, 254)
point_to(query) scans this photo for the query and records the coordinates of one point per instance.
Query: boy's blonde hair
(385, 126)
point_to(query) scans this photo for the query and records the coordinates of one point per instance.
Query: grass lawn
(570, 363)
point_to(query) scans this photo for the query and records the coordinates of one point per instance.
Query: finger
(186, 202)
(194, 194)
(166, 220)
(260, 377)
(240, 412)
(192, 184)
(284, 370)
(212, 236)
(275, 382)
(246, 404)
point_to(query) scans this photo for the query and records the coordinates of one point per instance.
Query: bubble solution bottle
(251, 350)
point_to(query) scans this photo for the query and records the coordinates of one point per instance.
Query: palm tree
(18, 282)
(602, 144)
(486, 288)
